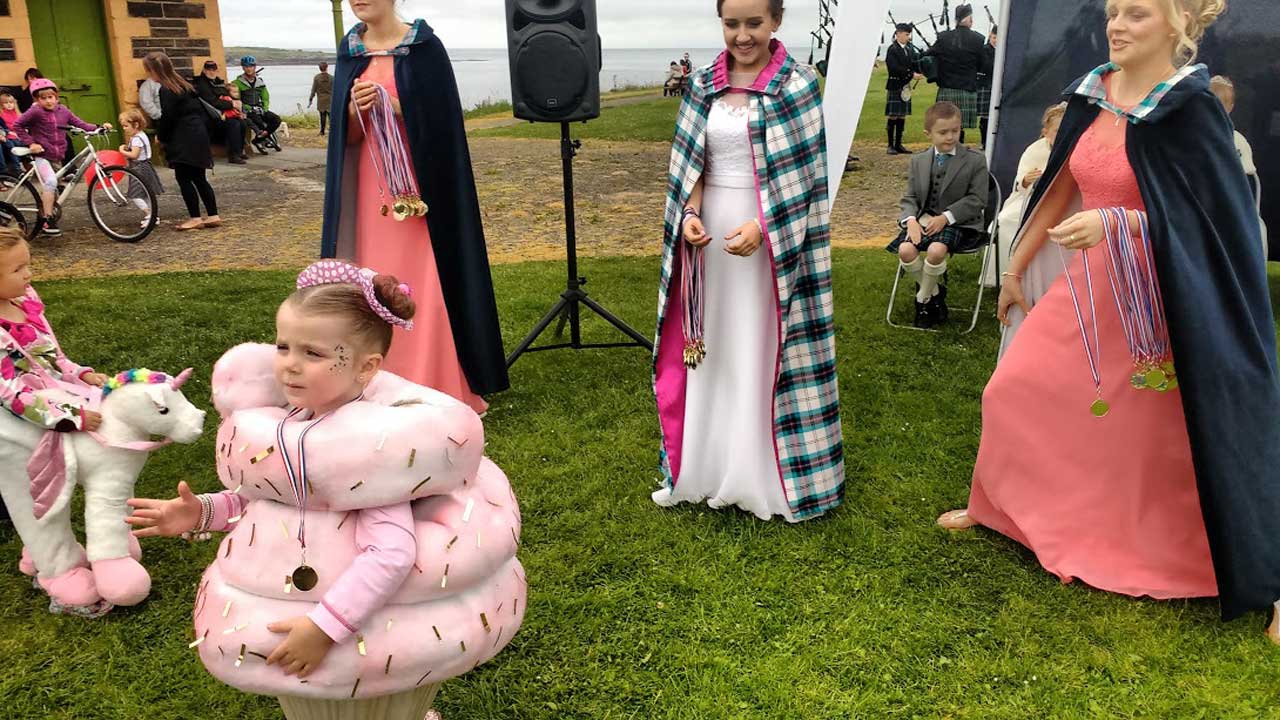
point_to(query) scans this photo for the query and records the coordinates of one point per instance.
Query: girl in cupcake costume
(371, 546)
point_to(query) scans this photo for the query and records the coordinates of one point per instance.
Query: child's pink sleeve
(388, 550)
(227, 509)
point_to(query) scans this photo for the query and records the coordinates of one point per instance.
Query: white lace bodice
(728, 141)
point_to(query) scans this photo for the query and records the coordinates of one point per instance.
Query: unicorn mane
(145, 377)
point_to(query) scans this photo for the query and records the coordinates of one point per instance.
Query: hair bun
(393, 297)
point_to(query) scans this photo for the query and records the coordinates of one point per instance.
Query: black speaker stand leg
(567, 308)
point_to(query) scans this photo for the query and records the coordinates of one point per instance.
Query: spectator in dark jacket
(183, 129)
(960, 57)
(229, 130)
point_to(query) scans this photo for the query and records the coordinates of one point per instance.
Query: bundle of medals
(1131, 271)
(693, 271)
(391, 158)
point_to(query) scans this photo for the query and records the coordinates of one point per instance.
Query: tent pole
(997, 79)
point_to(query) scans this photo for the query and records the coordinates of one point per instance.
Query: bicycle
(110, 196)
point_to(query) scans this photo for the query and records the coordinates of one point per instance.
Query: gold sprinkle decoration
(226, 609)
(343, 521)
(498, 637)
(466, 513)
(360, 646)
(222, 652)
(258, 655)
(261, 456)
(288, 584)
(387, 669)
(451, 542)
(418, 487)
(444, 579)
(381, 441)
(238, 488)
(240, 658)
(229, 541)
(415, 567)
(253, 533)
(484, 620)
(389, 625)
(477, 539)
(234, 520)
(357, 687)
(463, 645)
(234, 430)
(424, 677)
(495, 612)
(222, 448)
(235, 629)
(273, 485)
(436, 630)
(246, 447)
(413, 455)
(285, 528)
(311, 489)
(515, 606)
(353, 487)
(192, 645)
(242, 477)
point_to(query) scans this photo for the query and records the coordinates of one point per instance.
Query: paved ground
(272, 209)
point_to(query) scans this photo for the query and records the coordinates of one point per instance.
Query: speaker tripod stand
(567, 308)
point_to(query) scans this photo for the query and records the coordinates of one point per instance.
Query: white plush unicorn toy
(39, 471)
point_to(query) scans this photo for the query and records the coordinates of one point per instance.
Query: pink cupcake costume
(400, 471)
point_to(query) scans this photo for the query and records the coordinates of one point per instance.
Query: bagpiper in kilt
(789, 147)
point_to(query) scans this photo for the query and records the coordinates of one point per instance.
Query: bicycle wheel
(25, 198)
(11, 216)
(114, 209)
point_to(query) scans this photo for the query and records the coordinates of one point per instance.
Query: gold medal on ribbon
(1100, 408)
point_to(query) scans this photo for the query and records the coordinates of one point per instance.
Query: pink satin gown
(425, 355)
(1110, 501)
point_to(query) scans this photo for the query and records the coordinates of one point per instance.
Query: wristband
(1011, 274)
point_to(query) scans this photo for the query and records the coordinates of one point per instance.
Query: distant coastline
(286, 56)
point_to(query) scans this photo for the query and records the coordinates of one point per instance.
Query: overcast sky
(480, 23)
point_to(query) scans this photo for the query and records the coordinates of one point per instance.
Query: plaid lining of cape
(1092, 88)
(789, 142)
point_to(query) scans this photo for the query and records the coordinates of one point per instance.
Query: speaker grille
(552, 73)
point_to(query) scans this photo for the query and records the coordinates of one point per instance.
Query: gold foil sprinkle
(273, 485)
(311, 489)
(235, 629)
(221, 652)
(253, 533)
(451, 542)
(343, 521)
(234, 430)
(466, 513)
(436, 630)
(387, 669)
(484, 620)
(234, 520)
(353, 487)
(477, 539)
(258, 655)
(424, 677)
(238, 488)
(413, 455)
(389, 625)
(288, 584)
(240, 658)
(444, 579)
(191, 645)
(357, 687)
(246, 447)
(418, 487)
(261, 456)
(463, 645)
(504, 602)
(226, 609)
(360, 646)
(382, 441)
(415, 567)
(285, 529)
(498, 637)
(515, 606)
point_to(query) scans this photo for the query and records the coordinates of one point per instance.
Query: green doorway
(72, 50)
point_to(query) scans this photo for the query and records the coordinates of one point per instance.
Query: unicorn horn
(181, 380)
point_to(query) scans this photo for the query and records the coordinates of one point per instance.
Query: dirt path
(273, 210)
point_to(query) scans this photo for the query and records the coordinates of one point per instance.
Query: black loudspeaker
(554, 51)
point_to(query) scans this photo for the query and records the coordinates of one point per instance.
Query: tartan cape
(789, 144)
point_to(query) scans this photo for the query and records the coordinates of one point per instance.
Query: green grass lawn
(655, 120)
(641, 612)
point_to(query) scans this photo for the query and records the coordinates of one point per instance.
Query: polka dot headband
(334, 272)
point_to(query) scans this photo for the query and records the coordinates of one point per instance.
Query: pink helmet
(41, 84)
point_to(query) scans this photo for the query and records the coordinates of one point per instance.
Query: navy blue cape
(1213, 278)
(437, 142)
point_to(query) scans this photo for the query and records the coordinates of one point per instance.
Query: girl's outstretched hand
(165, 518)
(303, 649)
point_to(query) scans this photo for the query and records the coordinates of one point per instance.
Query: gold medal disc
(1100, 408)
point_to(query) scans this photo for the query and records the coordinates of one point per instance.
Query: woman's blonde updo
(1203, 13)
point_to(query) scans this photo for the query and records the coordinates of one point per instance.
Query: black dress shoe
(938, 305)
(924, 315)
(903, 150)
(894, 151)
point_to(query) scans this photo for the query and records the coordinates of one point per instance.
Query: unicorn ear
(181, 380)
(156, 393)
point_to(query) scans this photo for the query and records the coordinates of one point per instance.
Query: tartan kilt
(984, 102)
(967, 102)
(896, 106)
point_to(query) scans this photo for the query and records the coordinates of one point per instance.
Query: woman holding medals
(400, 195)
(744, 368)
(1131, 432)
